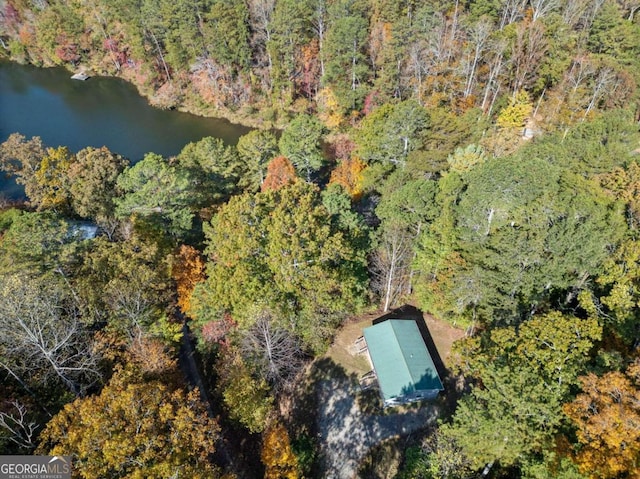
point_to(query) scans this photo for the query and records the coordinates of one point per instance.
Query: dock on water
(80, 76)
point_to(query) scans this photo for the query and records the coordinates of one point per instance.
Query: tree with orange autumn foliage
(152, 357)
(280, 172)
(607, 416)
(187, 271)
(348, 174)
(277, 456)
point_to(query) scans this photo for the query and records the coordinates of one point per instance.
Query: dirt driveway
(348, 426)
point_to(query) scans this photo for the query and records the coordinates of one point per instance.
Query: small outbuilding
(401, 361)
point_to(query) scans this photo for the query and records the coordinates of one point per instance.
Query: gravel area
(347, 433)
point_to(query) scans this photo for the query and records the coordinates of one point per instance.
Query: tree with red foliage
(67, 50)
(10, 18)
(216, 331)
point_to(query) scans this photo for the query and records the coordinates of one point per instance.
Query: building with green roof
(401, 361)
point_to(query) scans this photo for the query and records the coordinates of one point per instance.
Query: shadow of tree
(381, 459)
(301, 418)
(369, 401)
(346, 422)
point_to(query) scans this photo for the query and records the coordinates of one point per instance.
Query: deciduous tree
(348, 174)
(437, 457)
(607, 417)
(38, 243)
(616, 298)
(92, 182)
(44, 339)
(187, 270)
(123, 285)
(18, 426)
(554, 345)
(281, 249)
(42, 171)
(248, 399)
(21, 157)
(274, 352)
(463, 159)
(51, 187)
(391, 265)
(135, 429)
(280, 173)
(277, 455)
(624, 184)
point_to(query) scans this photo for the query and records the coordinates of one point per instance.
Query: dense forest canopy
(261, 60)
(478, 159)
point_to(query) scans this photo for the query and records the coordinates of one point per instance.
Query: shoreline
(186, 105)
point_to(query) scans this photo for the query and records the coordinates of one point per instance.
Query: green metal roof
(400, 358)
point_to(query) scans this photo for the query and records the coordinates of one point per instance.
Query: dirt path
(192, 376)
(346, 433)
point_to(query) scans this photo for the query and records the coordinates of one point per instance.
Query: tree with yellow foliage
(277, 455)
(348, 174)
(510, 123)
(246, 398)
(187, 270)
(330, 111)
(51, 188)
(514, 115)
(624, 185)
(135, 429)
(607, 417)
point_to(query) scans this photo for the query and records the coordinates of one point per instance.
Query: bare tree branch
(391, 265)
(43, 338)
(20, 430)
(273, 350)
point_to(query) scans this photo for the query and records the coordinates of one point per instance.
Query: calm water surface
(98, 112)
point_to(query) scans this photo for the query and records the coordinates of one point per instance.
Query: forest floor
(349, 421)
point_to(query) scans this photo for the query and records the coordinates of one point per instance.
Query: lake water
(98, 112)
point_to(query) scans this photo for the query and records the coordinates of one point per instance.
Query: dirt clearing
(345, 353)
(350, 422)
